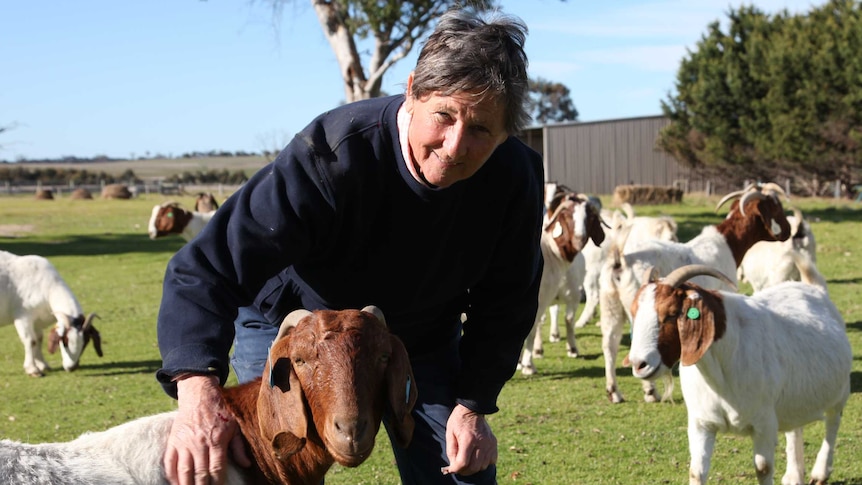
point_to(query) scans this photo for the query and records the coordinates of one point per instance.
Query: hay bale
(81, 193)
(116, 191)
(646, 195)
(45, 194)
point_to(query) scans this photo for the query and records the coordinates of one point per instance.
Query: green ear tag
(693, 313)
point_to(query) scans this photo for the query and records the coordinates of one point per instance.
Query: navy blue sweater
(337, 221)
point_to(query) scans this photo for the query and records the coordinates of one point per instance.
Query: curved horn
(376, 312)
(733, 195)
(773, 187)
(290, 321)
(89, 321)
(748, 196)
(685, 273)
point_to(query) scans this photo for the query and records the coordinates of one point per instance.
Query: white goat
(566, 231)
(169, 218)
(639, 228)
(34, 296)
(768, 263)
(757, 216)
(755, 366)
(357, 372)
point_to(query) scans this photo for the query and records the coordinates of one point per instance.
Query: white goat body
(768, 263)
(34, 296)
(349, 391)
(742, 369)
(169, 218)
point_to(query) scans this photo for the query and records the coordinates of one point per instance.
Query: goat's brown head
(167, 218)
(71, 336)
(575, 220)
(760, 205)
(331, 376)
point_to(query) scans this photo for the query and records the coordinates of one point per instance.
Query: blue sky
(146, 77)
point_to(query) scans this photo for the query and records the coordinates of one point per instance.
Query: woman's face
(451, 137)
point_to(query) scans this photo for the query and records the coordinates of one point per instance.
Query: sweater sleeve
(503, 304)
(273, 220)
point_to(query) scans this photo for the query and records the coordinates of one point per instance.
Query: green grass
(553, 428)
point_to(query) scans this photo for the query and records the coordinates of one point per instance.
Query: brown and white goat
(169, 218)
(330, 378)
(567, 229)
(757, 216)
(755, 366)
(205, 202)
(35, 296)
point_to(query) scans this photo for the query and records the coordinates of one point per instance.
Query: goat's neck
(308, 466)
(741, 233)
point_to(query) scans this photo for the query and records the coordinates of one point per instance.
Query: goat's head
(760, 210)
(167, 218)
(674, 320)
(71, 335)
(205, 202)
(331, 376)
(575, 220)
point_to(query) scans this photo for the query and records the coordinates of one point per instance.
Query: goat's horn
(685, 273)
(89, 321)
(733, 195)
(797, 214)
(376, 312)
(290, 321)
(757, 194)
(774, 187)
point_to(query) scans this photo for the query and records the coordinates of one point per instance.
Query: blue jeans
(435, 374)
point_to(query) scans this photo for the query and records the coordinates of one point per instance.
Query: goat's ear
(698, 325)
(597, 234)
(281, 409)
(53, 340)
(97, 339)
(401, 392)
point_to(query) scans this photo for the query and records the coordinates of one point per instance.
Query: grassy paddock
(554, 428)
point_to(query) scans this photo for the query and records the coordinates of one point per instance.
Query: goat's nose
(352, 430)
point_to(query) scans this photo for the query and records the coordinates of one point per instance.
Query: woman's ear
(408, 102)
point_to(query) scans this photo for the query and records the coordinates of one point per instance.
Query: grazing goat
(33, 296)
(330, 377)
(768, 263)
(205, 202)
(566, 231)
(169, 218)
(756, 216)
(759, 365)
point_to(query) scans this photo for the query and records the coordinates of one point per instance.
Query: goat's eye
(384, 359)
(298, 361)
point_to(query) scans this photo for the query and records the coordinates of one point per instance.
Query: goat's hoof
(615, 397)
(573, 353)
(36, 374)
(528, 370)
(538, 353)
(554, 338)
(650, 398)
(580, 324)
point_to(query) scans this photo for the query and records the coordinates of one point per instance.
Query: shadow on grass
(122, 368)
(91, 245)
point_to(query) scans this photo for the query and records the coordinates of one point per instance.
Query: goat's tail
(808, 272)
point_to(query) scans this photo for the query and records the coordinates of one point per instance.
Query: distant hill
(157, 168)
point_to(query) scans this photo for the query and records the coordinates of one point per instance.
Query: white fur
(768, 263)
(34, 296)
(784, 361)
(194, 226)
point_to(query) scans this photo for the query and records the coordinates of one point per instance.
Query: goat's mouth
(351, 458)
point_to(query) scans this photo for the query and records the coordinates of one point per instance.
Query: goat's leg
(571, 344)
(765, 439)
(591, 290)
(554, 311)
(612, 323)
(526, 365)
(538, 349)
(701, 443)
(34, 363)
(823, 464)
(795, 473)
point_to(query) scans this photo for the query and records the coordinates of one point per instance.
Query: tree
(550, 102)
(773, 96)
(395, 27)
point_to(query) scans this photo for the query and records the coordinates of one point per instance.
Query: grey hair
(467, 54)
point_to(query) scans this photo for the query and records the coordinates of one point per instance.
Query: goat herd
(739, 368)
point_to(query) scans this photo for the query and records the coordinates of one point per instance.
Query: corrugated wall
(595, 157)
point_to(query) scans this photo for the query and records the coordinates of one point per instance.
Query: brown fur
(681, 338)
(80, 194)
(564, 216)
(171, 219)
(335, 374)
(205, 202)
(116, 191)
(742, 232)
